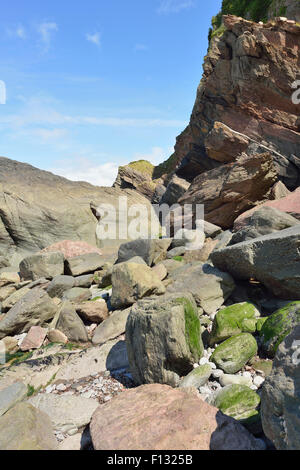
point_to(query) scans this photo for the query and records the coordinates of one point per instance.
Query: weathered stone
(39, 265)
(26, 428)
(137, 260)
(280, 273)
(163, 338)
(266, 220)
(65, 412)
(10, 344)
(86, 280)
(77, 294)
(59, 285)
(84, 264)
(14, 298)
(160, 271)
(112, 327)
(209, 286)
(198, 377)
(175, 189)
(120, 423)
(231, 379)
(11, 395)
(152, 251)
(211, 230)
(234, 353)
(71, 324)
(232, 321)
(71, 248)
(6, 292)
(95, 311)
(56, 336)
(278, 326)
(131, 282)
(35, 308)
(238, 401)
(231, 189)
(225, 145)
(34, 339)
(9, 278)
(280, 398)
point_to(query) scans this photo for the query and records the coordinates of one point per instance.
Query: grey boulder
(280, 400)
(40, 265)
(272, 259)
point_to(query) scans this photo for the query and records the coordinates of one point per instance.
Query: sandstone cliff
(38, 208)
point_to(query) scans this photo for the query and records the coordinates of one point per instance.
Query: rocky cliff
(38, 209)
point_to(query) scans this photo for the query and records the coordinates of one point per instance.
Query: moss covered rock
(278, 326)
(198, 377)
(163, 337)
(239, 402)
(234, 320)
(234, 353)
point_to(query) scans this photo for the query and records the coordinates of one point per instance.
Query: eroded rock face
(40, 209)
(280, 274)
(231, 189)
(157, 417)
(280, 398)
(246, 88)
(163, 338)
(26, 428)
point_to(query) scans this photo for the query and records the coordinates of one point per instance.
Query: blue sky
(92, 85)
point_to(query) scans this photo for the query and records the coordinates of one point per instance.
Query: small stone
(217, 373)
(195, 366)
(212, 365)
(254, 387)
(57, 336)
(258, 381)
(203, 361)
(61, 387)
(247, 375)
(34, 339)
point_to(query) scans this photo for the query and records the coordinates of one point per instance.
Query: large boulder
(59, 285)
(84, 264)
(233, 320)
(151, 251)
(234, 353)
(26, 428)
(157, 417)
(290, 205)
(175, 189)
(280, 399)
(14, 298)
(35, 308)
(47, 265)
(70, 248)
(209, 286)
(223, 144)
(66, 412)
(163, 338)
(279, 325)
(271, 259)
(266, 220)
(112, 327)
(231, 189)
(71, 324)
(93, 311)
(131, 282)
(11, 395)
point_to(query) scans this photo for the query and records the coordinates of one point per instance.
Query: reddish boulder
(70, 249)
(158, 417)
(34, 339)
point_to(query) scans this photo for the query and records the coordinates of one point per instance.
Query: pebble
(195, 366)
(254, 387)
(203, 361)
(217, 373)
(212, 365)
(247, 374)
(258, 381)
(61, 387)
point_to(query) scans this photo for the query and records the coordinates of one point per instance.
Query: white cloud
(47, 135)
(94, 38)
(20, 32)
(174, 6)
(156, 156)
(46, 30)
(140, 47)
(84, 170)
(16, 32)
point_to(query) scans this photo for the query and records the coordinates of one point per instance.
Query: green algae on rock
(234, 353)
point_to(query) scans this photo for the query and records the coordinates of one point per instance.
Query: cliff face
(246, 86)
(38, 209)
